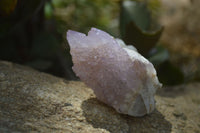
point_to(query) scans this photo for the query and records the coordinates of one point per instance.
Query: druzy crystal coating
(118, 74)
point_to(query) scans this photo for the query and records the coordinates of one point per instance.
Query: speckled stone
(32, 101)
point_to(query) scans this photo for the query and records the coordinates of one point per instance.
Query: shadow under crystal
(100, 115)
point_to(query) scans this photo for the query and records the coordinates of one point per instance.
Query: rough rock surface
(31, 101)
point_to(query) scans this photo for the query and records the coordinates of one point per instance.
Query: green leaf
(143, 41)
(158, 55)
(48, 10)
(136, 24)
(136, 12)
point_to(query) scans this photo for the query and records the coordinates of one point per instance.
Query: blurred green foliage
(7, 7)
(33, 32)
(81, 15)
(136, 12)
(138, 28)
(29, 36)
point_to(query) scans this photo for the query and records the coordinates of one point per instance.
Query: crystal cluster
(118, 74)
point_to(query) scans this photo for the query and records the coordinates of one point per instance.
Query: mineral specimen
(118, 74)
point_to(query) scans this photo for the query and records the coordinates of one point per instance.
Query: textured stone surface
(119, 76)
(31, 101)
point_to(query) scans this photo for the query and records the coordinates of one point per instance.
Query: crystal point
(118, 74)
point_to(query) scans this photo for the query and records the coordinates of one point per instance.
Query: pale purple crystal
(118, 75)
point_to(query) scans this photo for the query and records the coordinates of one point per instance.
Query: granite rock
(32, 101)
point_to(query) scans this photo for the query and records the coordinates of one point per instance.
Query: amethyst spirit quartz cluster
(117, 73)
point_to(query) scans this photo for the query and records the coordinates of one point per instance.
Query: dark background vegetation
(33, 33)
